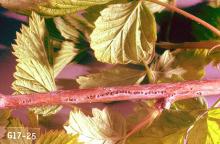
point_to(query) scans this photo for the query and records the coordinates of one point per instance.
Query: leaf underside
(124, 33)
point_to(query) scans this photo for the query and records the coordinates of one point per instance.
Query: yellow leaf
(64, 56)
(50, 7)
(215, 3)
(74, 30)
(155, 7)
(125, 33)
(57, 137)
(74, 23)
(115, 76)
(105, 127)
(92, 13)
(15, 131)
(66, 30)
(170, 128)
(206, 129)
(4, 116)
(33, 71)
(33, 119)
(192, 62)
(162, 69)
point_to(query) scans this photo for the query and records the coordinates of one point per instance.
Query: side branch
(190, 45)
(168, 91)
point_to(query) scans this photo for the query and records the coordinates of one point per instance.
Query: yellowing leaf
(4, 116)
(191, 104)
(74, 30)
(64, 56)
(206, 130)
(215, 3)
(155, 7)
(170, 128)
(50, 7)
(66, 30)
(105, 127)
(33, 71)
(162, 69)
(115, 76)
(193, 64)
(173, 138)
(62, 7)
(32, 119)
(15, 131)
(92, 13)
(70, 25)
(46, 110)
(124, 33)
(57, 137)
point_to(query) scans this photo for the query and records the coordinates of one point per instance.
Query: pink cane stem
(169, 91)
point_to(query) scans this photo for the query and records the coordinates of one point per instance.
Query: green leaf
(170, 128)
(115, 76)
(57, 137)
(210, 15)
(50, 7)
(64, 56)
(105, 127)
(206, 130)
(33, 71)
(125, 33)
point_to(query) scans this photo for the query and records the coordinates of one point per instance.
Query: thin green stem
(188, 15)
